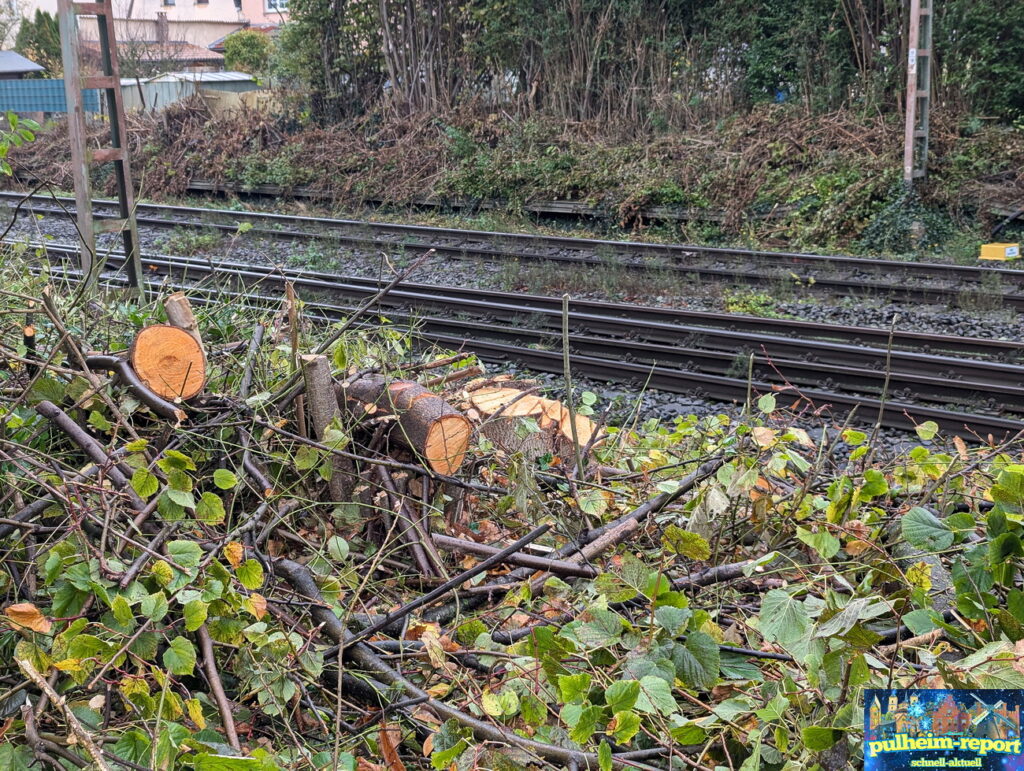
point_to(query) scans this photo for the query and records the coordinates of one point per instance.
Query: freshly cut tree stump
(169, 361)
(427, 424)
(500, 407)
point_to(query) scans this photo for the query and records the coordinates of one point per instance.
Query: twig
(76, 727)
(91, 447)
(286, 389)
(447, 586)
(127, 375)
(560, 567)
(567, 373)
(210, 665)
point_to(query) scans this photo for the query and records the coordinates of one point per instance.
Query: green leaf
(172, 459)
(1003, 547)
(99, 422)
(874, 485)
(604, 757)
(823, 542)
(855, 610)
(920, 621)
(687, 731)
(532, 708)
(306, 457)
(210, 509)
(785, 620)
(672, 620)
(180, 497)
(697, 661)
(853, 437)
(773, 710)
(185, 553)
(154, 606)
(144, 482)
(179, 480)
(685, 543)
(766, 404)
(927, 430)
(592, 501)
(655, 696)
(819, 738)
(604, 630)
(491, 704)
(627, 724)
(133, 746)
(586, 724)
(622, 695)
(338, 548)
(195, 614)
(224, 479)
(122, 610)
(574, 687)
(250, 573)
(180, 657)
(923, 530)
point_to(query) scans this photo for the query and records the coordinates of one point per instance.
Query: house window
(277, 5)
(168, 2)
(202, 2)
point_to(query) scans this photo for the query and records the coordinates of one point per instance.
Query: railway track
(609, 345)
(834, 275)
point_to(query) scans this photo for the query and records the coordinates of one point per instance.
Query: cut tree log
(179, 314)
(427, 424)
(501, 407)
(323, 409)
(169, 361)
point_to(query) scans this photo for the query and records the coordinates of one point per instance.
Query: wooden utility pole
(919, 61)
(82, 157)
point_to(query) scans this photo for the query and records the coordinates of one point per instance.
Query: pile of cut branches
(235, 539)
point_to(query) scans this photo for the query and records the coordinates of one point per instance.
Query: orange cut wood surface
(169, 361)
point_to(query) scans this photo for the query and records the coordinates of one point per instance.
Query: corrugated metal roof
(204, 77)
(11, 62)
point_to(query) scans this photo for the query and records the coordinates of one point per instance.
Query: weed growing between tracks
(735, 625)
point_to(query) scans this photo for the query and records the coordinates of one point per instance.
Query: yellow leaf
(920, 575)
(29, 616)
(257, 605)
(162, 572)
(195, 713)
(234, 551)
(69, 665)
(491, 704)
(440, 690)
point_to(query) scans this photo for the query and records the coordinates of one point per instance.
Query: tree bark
(323, 410)
(427, 424)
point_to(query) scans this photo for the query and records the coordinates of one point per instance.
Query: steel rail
(996, 384)
(595, 317)
(856, 337)
(892, 413)
(788, 260)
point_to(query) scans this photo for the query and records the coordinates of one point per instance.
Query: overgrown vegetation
(732, 623)
(643, 66)
(776, 176)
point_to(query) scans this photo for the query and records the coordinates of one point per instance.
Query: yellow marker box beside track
(999, 252)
